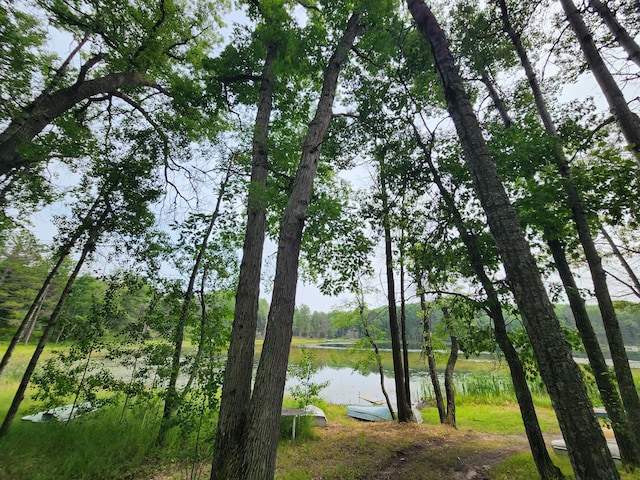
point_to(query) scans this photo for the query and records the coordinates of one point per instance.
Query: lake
(347, 387)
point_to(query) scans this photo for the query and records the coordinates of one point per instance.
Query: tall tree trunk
(607, 388)
(635, 287)
(404, 406)
(628, 391)
(625, 437)
(63, 253)
(172, 399)
(89, 246)
(586, 444)
(236, 388)
(431, 359)
(263, 421)
(450, 417)
(403, 330)
(545, 466)
(627, 120)
(619, 33)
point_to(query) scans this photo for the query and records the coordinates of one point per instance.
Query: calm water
(347, 387)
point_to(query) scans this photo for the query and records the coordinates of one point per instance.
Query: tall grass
(90, 447)
(488, 389)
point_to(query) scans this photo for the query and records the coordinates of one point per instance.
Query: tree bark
(625, 437)
(89, 246)
(450, 418)
(403, 331)
(586, 444)
(545, 466)
(404, 406)
(619, 356)
(236, 389)
(49, 106)
(263, 420)
(619, 33)
(628, 121)
(431, 359)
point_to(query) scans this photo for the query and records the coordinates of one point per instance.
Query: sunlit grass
(499, 419)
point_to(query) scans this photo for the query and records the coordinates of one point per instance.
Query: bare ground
(467, 463)
(349, 449)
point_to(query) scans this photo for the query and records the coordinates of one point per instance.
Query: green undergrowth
(97, 445)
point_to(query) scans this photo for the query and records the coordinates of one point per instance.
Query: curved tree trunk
(431, 359)
(236, 389)
(586, 444)
(49, 106)
(627, 120)
(89, 246)
(262, 428)
(626, 383)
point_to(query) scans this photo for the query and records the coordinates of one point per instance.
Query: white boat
(318, 415)
(376, 413)
(560, 447)
(62, 414)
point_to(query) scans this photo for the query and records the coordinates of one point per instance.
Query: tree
(628, 392)
(172, 399)
(62, 256)
(403, 399)
(589, 456)
(628, 120)
(236, 388)
(133, 58)
(257, 457)
(88, 247)
(621, 35)
(493, 306)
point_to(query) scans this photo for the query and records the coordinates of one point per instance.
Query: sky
(309, 294)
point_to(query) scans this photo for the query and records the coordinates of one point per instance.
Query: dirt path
(466, 457)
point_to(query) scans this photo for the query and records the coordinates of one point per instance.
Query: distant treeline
(309, 324)
(24, 264)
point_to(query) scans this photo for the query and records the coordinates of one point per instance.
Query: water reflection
(349, 387)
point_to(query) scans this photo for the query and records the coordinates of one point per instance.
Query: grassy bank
(489, 439)
(112, 446)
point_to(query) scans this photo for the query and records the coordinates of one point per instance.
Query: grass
(99, 446)
(95, 446)
(490, 431)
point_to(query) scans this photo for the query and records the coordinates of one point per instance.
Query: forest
(164, 165)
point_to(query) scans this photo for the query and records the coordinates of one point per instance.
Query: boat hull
(376, 413)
